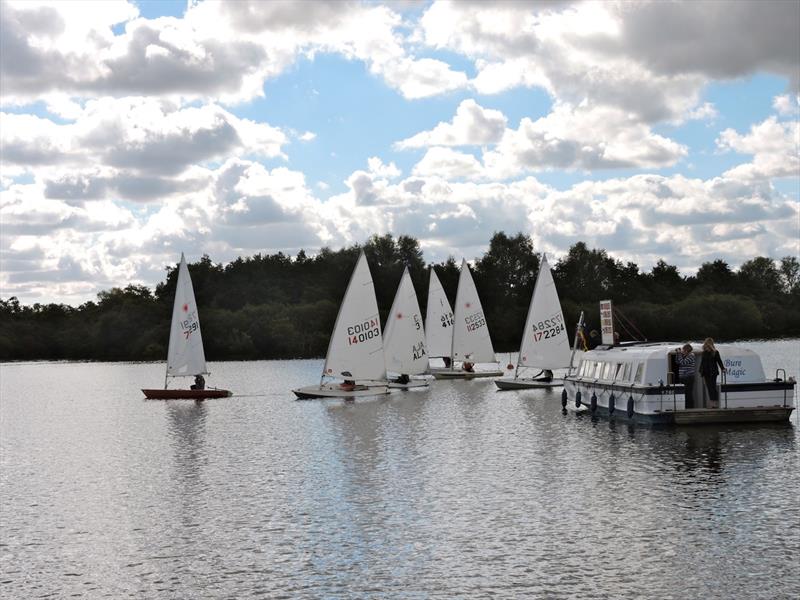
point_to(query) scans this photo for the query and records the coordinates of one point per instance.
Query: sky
(133, 131)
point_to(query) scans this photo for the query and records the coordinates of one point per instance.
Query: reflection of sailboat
(404, 344)
(355, 351)
(545, 344)
(185, 357)
(471, 344)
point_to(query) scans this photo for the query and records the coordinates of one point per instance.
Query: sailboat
(404, 337)
(545, 344)
(185, 356)
(471, 343)
(355, 350)
(438, 322)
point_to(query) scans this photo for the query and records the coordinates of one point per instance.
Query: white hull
(460, 374)
(334, 390)
(525, 384)
(413, 384)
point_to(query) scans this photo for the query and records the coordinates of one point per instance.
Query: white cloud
(774, 146)
(448, 164)
(471, 125)
(786, 105)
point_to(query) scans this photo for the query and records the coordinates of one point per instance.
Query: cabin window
(608, 370)
(626, 372)
(584, 368)
(639, 372)
(618, 371)
(598, 370)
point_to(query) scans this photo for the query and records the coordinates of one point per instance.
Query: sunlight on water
(456, 491)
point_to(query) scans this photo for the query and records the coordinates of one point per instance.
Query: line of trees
(276, 306)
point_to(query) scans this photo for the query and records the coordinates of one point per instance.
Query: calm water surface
(459, 491)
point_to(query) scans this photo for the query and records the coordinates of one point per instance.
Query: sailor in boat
(468, 366)
(403, 379)
(199, 383)
(547, 376)
(447, 361)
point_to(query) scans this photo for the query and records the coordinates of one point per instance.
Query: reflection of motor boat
(640, 383)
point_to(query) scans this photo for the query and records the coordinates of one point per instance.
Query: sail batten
(185, 356)
(355, 350)
(471, 339)
(545, 343)
(404, 336)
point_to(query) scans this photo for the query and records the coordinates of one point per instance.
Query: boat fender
(578, 399)
(593, 403)
(563, 398)
(612, 404)
(630, 407)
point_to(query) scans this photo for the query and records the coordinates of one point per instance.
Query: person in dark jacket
(686, 368)
(710, 366)
(199, 383)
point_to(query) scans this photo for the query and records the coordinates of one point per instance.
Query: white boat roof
(659, 350)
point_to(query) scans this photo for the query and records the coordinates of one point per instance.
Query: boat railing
(779, 378)
(725, 387)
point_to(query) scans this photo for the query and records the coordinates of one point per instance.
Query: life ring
(564, 398)
(593, 403)
(630, 407)
(578, 399)
(612, 404)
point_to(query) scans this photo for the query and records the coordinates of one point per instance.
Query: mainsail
(355, 351)
(185, 355)
(471, 339)
(438, 320)
(404, 335)
(545, 343)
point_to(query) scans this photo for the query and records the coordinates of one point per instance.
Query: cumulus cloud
(471, 125)
(774, 146)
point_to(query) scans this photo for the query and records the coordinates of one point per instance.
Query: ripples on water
(460, 491)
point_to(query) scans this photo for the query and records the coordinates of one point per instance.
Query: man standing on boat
(686, 370)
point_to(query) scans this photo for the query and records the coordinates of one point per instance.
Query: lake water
(458, 491)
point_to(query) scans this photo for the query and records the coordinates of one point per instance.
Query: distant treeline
(276, 306)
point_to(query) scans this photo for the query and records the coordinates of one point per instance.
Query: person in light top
(686, 369)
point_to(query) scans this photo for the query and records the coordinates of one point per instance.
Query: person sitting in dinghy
(468, 366)
(348, 385)
(547, 376)
(403, 379)
(199, 383)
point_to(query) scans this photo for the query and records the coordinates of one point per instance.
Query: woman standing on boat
(710, 365)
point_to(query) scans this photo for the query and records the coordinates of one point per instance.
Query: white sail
(545, 343)
(356, 348)
(471, 339)
(438, 320)
(185, 355)
(404, 335)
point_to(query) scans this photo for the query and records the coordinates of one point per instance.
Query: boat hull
(454, 374)
(527, 384)
(312, 392)
(185, 394)
(413, 384)
(749, 403)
